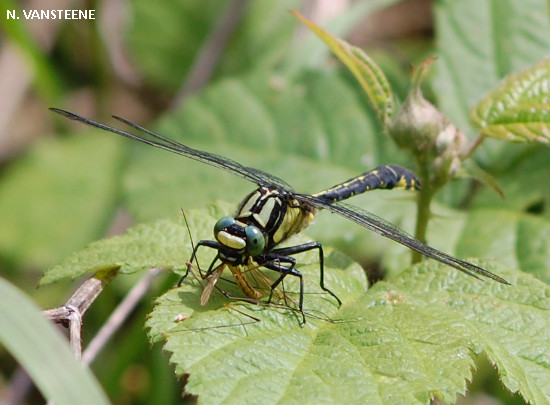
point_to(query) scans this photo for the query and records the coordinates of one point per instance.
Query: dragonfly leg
(292, 250)
(274, 259)
(207, 243)
(274, 263)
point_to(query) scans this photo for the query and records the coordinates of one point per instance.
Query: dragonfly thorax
(277, 213)
(266, 217)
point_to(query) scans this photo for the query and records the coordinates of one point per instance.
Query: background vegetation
(247, 80)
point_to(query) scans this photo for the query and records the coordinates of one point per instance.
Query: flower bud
(432, 138)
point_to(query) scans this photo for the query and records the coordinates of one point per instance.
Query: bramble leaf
(478, 44)
(519, 108)
(160, 244)
(403, 342)
(183, 28)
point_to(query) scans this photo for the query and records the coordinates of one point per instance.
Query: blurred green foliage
(273, 102)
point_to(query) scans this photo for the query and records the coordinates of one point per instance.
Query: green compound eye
(255, 241)
(222, 224)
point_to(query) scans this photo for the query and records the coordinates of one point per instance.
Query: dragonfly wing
(261, 178)
(264, 282)
(257, 176)
(214, 277)
(388, 230)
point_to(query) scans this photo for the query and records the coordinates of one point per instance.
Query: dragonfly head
(239, 237)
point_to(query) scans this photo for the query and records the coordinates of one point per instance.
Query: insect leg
(292, 250)
(208, 243)
(273, 262)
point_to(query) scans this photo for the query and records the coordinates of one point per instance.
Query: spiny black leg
(304, 248)
(208, 243)
(275, 265)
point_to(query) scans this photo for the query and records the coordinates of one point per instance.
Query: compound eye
(222, 224)
(255, 241)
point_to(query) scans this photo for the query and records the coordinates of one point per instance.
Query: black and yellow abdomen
(383, 177)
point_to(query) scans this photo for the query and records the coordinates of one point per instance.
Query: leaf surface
(479, 43)
(382, 346)
(519, 108)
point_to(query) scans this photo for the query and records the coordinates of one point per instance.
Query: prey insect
(274, 212)
(243, 275)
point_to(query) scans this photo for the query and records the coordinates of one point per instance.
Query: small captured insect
(274, 212)
(244, 275)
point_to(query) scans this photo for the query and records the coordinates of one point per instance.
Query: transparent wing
(261, 178)
(214, 277)
(257, 176)
(263, 282)
(388, 230)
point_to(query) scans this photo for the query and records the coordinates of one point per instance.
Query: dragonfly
(274, 212)
(271, 216)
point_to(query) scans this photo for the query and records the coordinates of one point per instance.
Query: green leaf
(47, 359)
(521, 176)
(533, 245)
(512, 342)
(495, 230)
(179, 29)
(516, 239)
(479, 43)
(262, 39)
(161, 244)
(402, 343)
(519, 109)
(370, 76)
(57, 198)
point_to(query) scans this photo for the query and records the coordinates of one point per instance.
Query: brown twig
(71, 313)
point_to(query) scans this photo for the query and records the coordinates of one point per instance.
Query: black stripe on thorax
(264, 208)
